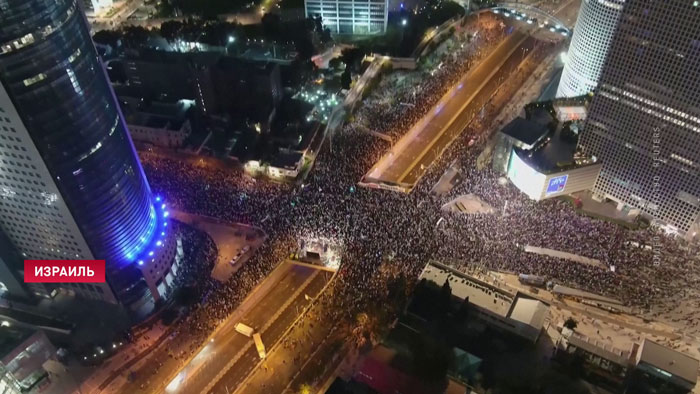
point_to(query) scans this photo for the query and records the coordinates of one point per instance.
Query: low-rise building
(515, 313)
(158, 130)
(603, 363)
(157, 123)
(23, 354)
(286, 164)
(661, 369)
(646, 368)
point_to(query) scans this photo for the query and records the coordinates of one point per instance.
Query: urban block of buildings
(517, 314)
(538, 153)
(26, 359)
(646, 367)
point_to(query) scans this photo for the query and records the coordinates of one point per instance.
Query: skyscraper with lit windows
(593, 32)
(644, 120)
(350, 16)
(71, 185)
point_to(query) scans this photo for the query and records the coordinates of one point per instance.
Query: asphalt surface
(272, 314)
(312, 356)
(249, 359)
(411, 156)
(422, 144)
(230, 239)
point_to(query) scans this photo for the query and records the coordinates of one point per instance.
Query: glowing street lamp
(231, 39)
(404, 22)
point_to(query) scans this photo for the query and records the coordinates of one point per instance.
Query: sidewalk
(230, 240)
(130, 354)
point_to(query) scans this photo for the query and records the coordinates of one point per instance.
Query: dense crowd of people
(374, 228)
(403, 98)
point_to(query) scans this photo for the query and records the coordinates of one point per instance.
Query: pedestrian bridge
(532, 15)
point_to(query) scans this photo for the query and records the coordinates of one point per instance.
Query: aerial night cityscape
(349, 196)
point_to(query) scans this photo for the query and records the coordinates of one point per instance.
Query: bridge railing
(530, 9)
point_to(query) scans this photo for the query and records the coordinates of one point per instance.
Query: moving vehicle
(259, 345)
(244, 329)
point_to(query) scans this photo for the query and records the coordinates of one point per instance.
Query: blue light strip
(155, 237)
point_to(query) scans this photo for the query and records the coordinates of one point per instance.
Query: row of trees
(206, 8)
(304, 34)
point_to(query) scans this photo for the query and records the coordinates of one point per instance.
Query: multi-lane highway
(410, 157)
(237, 370)
(407, 160)
(229, 356)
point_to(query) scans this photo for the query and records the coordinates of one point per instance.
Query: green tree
(171, 30)
(345, 79)
(135, 36)
(107, 37)
(335, 63)
(165, 9)
(570, 323)
(272, 26)
(351, 57)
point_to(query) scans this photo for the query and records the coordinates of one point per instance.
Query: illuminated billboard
(525, 178)
(557, 184)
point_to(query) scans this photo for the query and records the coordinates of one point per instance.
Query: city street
(230, 239)
(273, 327)
(411, 156)
(270, 309)
(286, 365)
(204, 218)
(413, 153)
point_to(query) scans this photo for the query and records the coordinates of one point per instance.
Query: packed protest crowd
(403, 98)
(373, 227)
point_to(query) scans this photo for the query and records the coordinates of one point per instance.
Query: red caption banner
(64, 271)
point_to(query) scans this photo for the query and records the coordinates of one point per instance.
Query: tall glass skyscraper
(594, 29)
(71, 185)
(644, 120)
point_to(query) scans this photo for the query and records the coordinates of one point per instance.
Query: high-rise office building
(11, 285)
(644, 120)
(593, 32)
(350, 16)
(71, 185)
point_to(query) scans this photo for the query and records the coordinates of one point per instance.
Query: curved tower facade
(593, 32)
(71, 185)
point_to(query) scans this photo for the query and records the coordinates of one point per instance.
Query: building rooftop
(540, 113)
(286, 160)
(480, 293)
(529, 311)
(11, 337)
(172, 57)
(601, 349)
(570, 112)
(517, 313)
(159, 115)
(245, 66)
(669, 360)
(154, 121)
(526, 131)
(296, 136)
